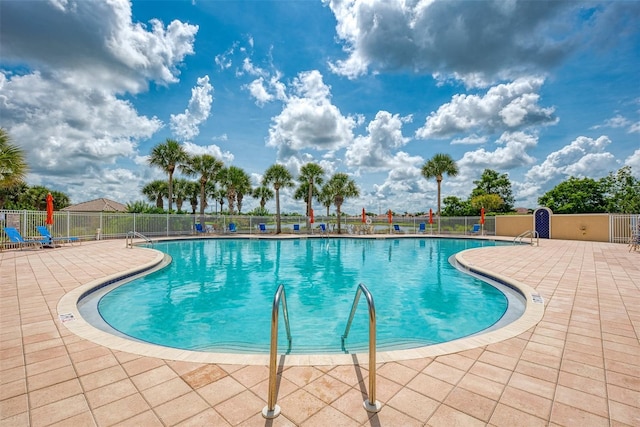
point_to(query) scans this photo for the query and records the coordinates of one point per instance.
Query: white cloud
(309, 121)
(186, 125)
(584, 157)
(512, 153)
(508, 106)
(195, 149)
(375, 150)
(95, 44)
(474, 41)
(472, 139)
(634, 161)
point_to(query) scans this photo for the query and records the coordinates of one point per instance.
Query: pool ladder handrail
(272, 410)
(131, 234)
(531, 234)
(371, 404)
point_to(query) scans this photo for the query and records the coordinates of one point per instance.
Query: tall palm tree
(325, 197)
(237, 183)
(439, 165)
(278, 176)
(193, 191)
(181, 191)
(156, 191)
(264, 194)
(167, 156)
(207, 167)
(13, 166)
(311, 174)
(341, 187)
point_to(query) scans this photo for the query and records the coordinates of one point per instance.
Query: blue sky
(540, 91)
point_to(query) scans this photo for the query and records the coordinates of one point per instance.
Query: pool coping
(72, 319)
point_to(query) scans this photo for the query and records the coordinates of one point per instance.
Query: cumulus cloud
(214, 150)
(375, 151)
(509, 106)
(511, 153)
(96, 42)
(309, 120)
(186, 125)
(584, 157)
(475, 41)
(634, 161)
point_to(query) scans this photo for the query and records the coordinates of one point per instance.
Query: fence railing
(109, 225)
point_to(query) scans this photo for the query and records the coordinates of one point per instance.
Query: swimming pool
(216, 295)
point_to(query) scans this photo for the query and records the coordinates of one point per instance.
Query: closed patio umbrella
(364, 216)
(49, 220)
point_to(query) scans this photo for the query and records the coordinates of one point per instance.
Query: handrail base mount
(266, 413)
(372, 407)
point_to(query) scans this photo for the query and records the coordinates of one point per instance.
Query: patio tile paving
(580, 365)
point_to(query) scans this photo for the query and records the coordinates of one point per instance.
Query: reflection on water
(217, 294)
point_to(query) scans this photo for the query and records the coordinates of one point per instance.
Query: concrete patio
(580, 365)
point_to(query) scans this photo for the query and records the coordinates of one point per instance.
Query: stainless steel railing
(131, 235)
(371, 404)
(272, 410)
(529, 233)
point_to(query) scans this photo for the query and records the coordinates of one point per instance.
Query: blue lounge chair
(232, 227)
(199, 228)
(263, 228)
(296, 228)
(423, 228)
(14, 237)
(44, 232)
(475, 229)
(323, 228)
(396, 229)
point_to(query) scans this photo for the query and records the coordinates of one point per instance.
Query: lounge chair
(323, 228)
(296, 228)
(475, 229)
(199, 228)
(232, 227)
(422, 228)
(396, 229)
(262, 227)
(44, 232)
(14, 237)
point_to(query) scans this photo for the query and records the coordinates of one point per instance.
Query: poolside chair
(475, 229)
(422, 228)
(232, 227)
(296, 228)
(44, 232)
(14, 237)
(199, 228)
(323, 228)
(262, 227)
(396, 229)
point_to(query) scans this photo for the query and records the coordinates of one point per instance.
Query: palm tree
(237, 183)
(181, 192)
(325, 197)
(341, 187)
(208, 168)
(278, 176)
(168, 156)
(13, 166)
(193, 191)
(439, 165)
(264, 194)
(156, 191)
(311, 174)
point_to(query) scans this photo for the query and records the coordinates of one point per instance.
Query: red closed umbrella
(430, 216)
(364, 216)
(482, 216)
(311, 216)
(390, 216)
(49, 220)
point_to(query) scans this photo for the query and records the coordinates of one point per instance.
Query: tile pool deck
(580, 365)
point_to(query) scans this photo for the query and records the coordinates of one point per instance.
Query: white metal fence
(107, 225)
(623, 226)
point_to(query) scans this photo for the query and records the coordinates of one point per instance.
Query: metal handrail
(131, 234)
(371, 404)
(272, 410)
(531, 234)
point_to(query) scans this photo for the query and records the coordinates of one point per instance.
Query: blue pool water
(217, 295)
